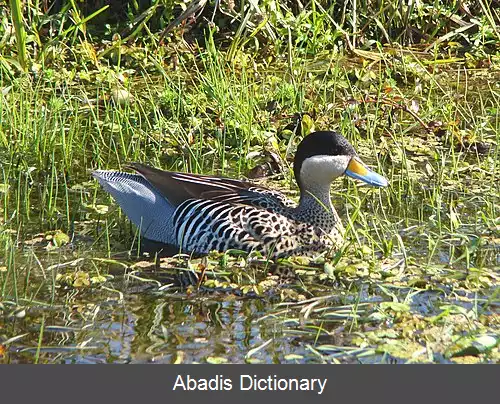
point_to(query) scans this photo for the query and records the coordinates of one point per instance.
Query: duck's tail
(142, 203)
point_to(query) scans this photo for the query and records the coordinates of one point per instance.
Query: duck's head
(323, 156)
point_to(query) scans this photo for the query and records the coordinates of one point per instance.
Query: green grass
(417, 279)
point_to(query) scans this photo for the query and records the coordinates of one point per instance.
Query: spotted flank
(204, 226)
(199, 213)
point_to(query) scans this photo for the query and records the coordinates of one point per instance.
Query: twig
(194, 7)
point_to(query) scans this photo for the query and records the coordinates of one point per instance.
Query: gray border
(346, 383)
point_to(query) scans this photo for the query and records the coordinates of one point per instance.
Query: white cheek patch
(323, 169)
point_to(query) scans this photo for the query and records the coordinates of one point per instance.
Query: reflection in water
(146, 328)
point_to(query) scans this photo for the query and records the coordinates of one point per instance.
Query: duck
(197, 214)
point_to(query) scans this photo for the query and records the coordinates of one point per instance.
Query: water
(148, 327)
(142, 320)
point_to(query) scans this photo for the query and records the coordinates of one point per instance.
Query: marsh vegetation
(416, 90)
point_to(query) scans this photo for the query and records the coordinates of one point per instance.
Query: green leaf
(395, 306)
(216, 360)
(60, 238)
(472, 346)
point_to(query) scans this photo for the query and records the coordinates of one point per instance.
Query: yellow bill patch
(357, 167)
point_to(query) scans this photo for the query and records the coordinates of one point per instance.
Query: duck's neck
(315, 207)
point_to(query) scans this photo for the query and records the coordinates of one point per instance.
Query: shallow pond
(82, 307)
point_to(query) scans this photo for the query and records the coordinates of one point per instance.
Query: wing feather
(179, 187)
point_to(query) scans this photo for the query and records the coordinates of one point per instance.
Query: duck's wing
(178, 187)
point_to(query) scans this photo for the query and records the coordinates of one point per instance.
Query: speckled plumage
(198, 213)
(203, 226)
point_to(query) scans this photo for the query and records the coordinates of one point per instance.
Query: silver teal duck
(200, 213)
